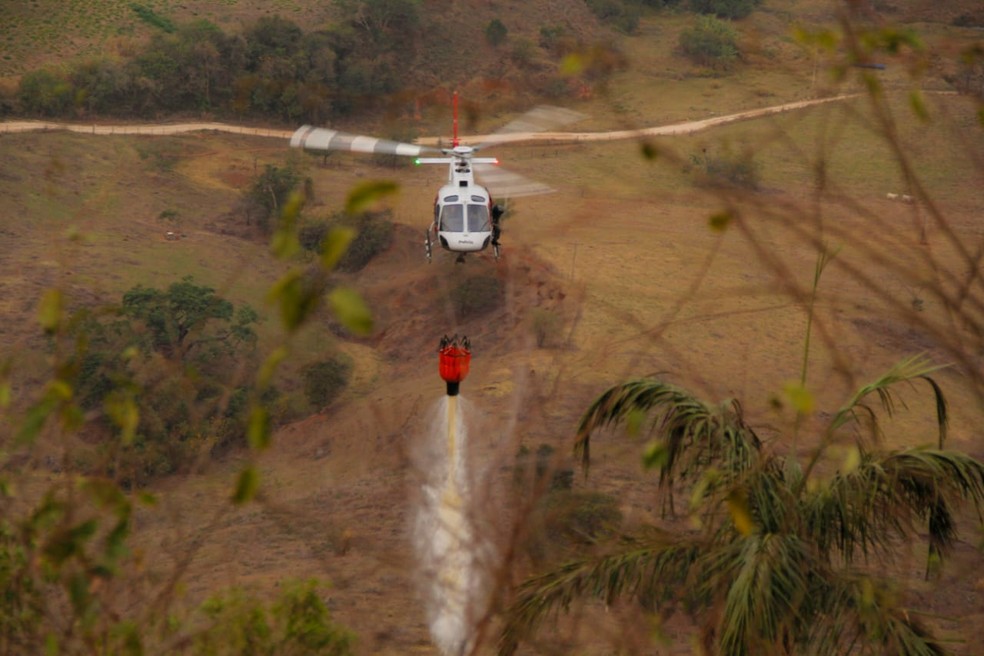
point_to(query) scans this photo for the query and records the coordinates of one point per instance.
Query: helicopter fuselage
(465, 220)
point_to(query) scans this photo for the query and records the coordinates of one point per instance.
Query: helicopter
(466, 218)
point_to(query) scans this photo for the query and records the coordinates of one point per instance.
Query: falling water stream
(454, 557)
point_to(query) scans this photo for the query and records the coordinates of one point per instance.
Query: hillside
(645, 260)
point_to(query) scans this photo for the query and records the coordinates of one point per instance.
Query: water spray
(453, 554)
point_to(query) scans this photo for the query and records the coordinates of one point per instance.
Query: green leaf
(648, 150)
(656, 455)
(350, 310)
(50, 310)
(34, 420)
(269, 366)
(246, 486)
(65, 543)
(719, 222)
(365, 194)
(801, 398)
(296, 298)
(335, 244)
(258, 430)
(740, 514)
(572, 64)
(633, 421)
(918, 105)
(852, 459)
(710, 476)
(123, 411)
(284, 243)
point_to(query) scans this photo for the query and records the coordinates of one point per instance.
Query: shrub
(477, 295)
(523, 52)
(566, 522)
(540, 465)
(324, 380)
(724, 8)
(622, 16)
(710, 42)
(496, 32)
(727, 169)
(374, 234)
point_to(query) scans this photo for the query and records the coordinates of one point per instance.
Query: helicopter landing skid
(427, 244)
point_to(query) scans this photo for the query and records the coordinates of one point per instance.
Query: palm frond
(868, 508)
(693, 433)
(763, 602)
(859, 610)
(646, 569)
(917, 367)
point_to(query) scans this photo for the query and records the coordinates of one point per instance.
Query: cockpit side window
(453, 218)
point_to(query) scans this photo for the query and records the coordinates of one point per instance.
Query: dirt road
(687, 127)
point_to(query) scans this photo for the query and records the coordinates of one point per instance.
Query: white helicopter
(466, 218)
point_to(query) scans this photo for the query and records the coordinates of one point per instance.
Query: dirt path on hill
(687, 127)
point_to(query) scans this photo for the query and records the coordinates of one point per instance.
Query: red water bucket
(453, 366)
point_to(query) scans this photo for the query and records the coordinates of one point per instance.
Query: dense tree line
(273, 69)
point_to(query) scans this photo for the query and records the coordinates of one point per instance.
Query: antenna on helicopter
(454, 111)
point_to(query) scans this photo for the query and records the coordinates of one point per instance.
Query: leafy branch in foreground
(173, 365)
(772, 568)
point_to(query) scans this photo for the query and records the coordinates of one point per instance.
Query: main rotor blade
(539, 119)
(323, 139)
(506, 184)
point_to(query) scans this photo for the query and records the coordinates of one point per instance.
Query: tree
(710, 42)
(391, 24)
(773, 570)
(45, 93)
(270, 192)
(177, 318)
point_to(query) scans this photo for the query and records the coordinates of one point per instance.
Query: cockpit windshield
(478, 218)
(453, 217)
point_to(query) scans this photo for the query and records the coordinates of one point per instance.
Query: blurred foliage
(297, 624)
(147, 387)
(373, 235)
